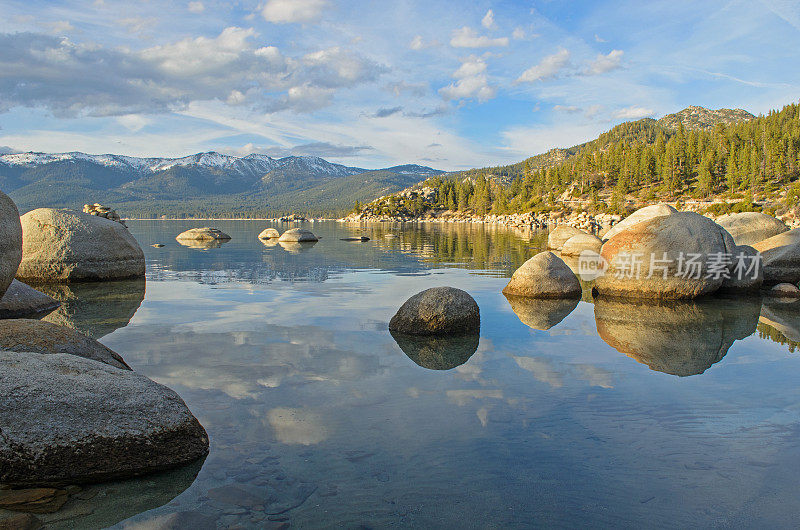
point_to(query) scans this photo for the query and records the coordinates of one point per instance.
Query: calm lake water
(685, 415)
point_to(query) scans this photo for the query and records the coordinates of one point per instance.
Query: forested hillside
(738, 158)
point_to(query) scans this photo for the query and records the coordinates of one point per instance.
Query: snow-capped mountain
(70, 179)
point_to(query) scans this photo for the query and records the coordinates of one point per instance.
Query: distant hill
(699, 118)
(201, 184)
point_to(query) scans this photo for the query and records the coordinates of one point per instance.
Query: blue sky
(449, 84)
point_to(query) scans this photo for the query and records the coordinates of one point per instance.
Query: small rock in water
(361, 238)
(440, 310)
(158, 245)
(785, 290)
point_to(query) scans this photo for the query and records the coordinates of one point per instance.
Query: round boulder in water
(10, 241)
(269, 233)
(74, 420)
(205, 233)
(581, 242)
(560, 234)
(69, 246)
(544, 276)
(297, 235)
(748, 228)
(438, 311)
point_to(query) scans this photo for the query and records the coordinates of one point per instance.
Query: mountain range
(204, 184)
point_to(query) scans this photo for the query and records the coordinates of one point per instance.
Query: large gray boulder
(780, 257)
(746, 272)
(23, 300)
(668, 257)
(579, 243)
(639, 216)
(68, 420)
(545, 275)
(205, 233)
(70, 246)
(269, 233)
(559, 235)
(748, 228)
(10, 241)
(297, 235)
(28, 335)
(437, 311)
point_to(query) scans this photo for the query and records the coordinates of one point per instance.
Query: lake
(563, 414)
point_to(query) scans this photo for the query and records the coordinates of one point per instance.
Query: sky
(373, 83)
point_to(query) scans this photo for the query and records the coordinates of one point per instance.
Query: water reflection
(202, 244)
(780, 321)
(104, 505)
(438, 353)
(541, 314)
(297, 247)
(679, 338)
(95, 308)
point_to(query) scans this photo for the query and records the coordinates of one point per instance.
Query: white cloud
(488, 20)
(598, 38)
(418, 43)
(472, 81)
(134, 122)
(196, 7)
(593, 111)
(549, 67)
(467, 37)
(634, 112)
(570, 109)
(605, 63)
(287, 11)
(518, 34)
(137, 24)
(60, 26)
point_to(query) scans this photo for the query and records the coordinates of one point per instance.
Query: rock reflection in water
(297, 247)
(96, 308)
(780, 321)
(682, 338)
(202, 244)
(438, 353)
(541, 314)
(104, 505)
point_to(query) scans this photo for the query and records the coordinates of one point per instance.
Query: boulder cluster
(660, 253)
(102, 211)
(73, 411)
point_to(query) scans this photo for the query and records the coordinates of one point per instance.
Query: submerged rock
(560, 234)
(26, 335)
(642, 214)
(541, 314)
(10, 241)
(438, 352)
(580, 243)
(296, 248)
(269, 233)
(748, 228)
(21, 300)
(297, 235)
(202, 234)
(680, 338)
(70, 246)
(545, 275)
(357, 238)
(667, 257)
(57, 431)
(780, 257)
(438, 311)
